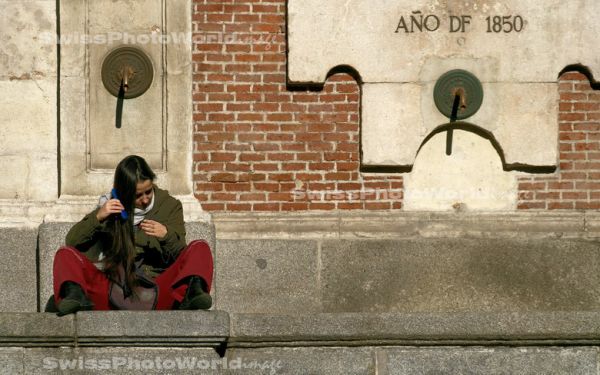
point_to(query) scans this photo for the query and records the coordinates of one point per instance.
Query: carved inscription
(418, 22)
(506, 24)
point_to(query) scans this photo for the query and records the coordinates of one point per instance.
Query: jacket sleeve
(174, 241)
(82, 234)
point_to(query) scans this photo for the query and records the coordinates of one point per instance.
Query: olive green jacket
(91, 237)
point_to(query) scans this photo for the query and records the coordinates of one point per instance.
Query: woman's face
(143, 194)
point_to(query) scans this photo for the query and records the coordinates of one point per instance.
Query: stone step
(218, 328)
(115, 328)
(369, 360)
(415, 329)
(216, 342)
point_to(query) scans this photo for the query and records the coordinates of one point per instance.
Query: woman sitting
(130, 252)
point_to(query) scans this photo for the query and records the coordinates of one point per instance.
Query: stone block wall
(261, 145)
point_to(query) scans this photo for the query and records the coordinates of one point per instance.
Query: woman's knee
(70, 255)
(67, 251)
(199, 246)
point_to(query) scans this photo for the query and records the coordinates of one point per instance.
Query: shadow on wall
(595, 85)
(486, 134)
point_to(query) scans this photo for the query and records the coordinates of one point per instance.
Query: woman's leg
(195, 260)
(71, 265)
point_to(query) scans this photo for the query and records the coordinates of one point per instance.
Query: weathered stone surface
(460, 275)
(302, 361)
(385, 106)
(293, 226)
(18, 269)
(490, 262)
(139, 15)
(339, 360)
(201, 231)
(28, 138)
(125, 328)
(33, 329)
(400, 224)
(11, 361)
(115, 328)
(344, 343)
(119, 360)
(592, 224)
(269, 276)
(493, 360)
(27, 30)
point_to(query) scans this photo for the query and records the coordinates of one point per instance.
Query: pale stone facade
(28, 108)
(59, 144)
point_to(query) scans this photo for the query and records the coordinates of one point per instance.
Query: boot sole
(70, 306)
(201, 302)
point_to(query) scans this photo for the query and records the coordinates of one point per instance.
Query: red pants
(71, 265)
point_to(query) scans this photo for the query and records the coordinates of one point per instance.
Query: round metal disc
(142, 71)
(458, 82)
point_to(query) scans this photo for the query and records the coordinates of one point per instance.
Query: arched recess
(318, 86)
(595, 85)
(473, 176)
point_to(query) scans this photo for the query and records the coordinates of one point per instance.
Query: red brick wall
(576, 183)
(259, 146)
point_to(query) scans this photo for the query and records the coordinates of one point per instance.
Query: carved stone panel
(155, 125)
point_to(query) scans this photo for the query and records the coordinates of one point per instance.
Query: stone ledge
(35, 329)
(400, 224)
(218, 328)
(407, 360)
(152, 328)
(18, 213)
(425, 329)
(115, 328)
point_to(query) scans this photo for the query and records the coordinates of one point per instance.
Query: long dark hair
(121, 252)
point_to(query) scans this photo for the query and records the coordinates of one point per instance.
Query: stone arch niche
(156, 125)
(472, 177)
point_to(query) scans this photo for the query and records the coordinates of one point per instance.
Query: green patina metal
(459, 83)
(127, 71)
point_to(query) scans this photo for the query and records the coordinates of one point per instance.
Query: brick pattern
(259, 146)
(576, 183)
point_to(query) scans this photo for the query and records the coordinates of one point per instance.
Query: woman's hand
(112, 206)
(153, 228)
